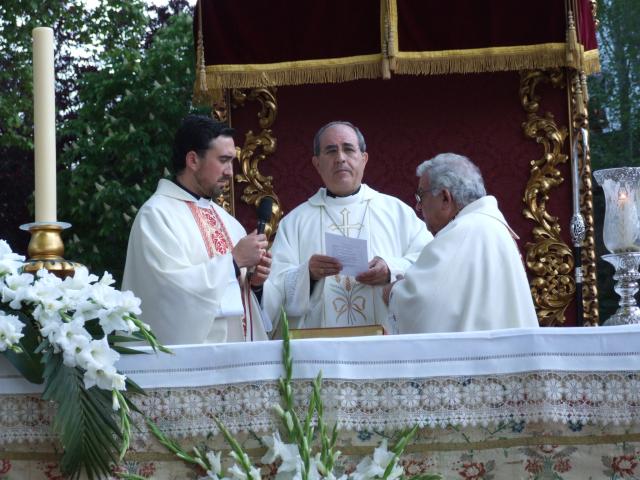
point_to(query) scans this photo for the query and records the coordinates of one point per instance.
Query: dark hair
(195, 133)
(316, 140)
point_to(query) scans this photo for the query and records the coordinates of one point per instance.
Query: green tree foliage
(120, 142)
(615, 92)
(614, 115)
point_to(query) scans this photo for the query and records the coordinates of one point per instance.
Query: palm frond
(85, 421)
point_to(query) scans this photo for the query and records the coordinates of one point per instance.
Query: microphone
(264, 213)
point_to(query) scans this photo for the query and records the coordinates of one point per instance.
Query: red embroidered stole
(217, 242)
(212, 229)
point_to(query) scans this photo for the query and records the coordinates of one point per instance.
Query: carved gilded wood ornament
(548, 258)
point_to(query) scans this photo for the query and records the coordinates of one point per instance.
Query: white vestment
(470, 277)
(179, 263)
(392, 231)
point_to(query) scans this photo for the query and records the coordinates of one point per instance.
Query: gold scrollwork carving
(579, 117)
(257, 148)
(547, 257)
(220, 111)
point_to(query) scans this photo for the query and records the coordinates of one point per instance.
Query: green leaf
(127, 351)
(27, 362)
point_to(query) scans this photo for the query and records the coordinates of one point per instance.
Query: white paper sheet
(351, 252)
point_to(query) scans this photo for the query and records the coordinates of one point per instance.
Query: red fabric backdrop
(259, 31)
(406, 120)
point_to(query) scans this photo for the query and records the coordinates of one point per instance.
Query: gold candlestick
(46, 249)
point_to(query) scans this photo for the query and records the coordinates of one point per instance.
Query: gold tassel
(572, 42)
(202, 74)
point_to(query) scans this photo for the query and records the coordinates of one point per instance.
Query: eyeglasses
(420, 193)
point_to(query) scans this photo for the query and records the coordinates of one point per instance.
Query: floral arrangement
(309, 451)
(68, 334)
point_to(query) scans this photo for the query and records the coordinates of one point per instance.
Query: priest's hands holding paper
(378, 273)
(250, 250)
(321, 266)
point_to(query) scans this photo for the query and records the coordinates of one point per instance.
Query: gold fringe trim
(332, 70)
(337, 70)
(591, 62)
(476, 60)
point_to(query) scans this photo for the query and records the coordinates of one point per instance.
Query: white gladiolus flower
(118, 381)
(289, 453)
(71, 338)
(115, 306)
(9, 262)
(61, 309)
(331, 476)
(49, 321)
(97, 355)
(102, 377)
(216, 464)
(18, 288)
(238, 474)
(370, 468)
(10, 331)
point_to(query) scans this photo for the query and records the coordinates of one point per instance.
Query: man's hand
(386, 291)
(250, 249)
(321, 266)
(378, 273)
(260, 274)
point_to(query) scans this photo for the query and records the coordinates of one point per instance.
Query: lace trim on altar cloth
(602, 398)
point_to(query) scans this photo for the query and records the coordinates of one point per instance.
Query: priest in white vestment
(187, 257)
(471, 276)
(308, 283)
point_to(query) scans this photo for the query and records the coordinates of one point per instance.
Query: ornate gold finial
(46, 249)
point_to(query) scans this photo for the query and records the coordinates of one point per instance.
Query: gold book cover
(334, 332)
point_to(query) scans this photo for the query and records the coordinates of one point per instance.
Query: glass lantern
(621, 235)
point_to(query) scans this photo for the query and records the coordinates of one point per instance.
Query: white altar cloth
(566, 375)
(380, 357)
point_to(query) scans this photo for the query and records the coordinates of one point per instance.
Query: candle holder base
(626, 277)
(46, 249)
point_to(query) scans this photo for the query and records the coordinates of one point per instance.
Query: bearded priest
(310, 284)
(187, 257)
(471, 276)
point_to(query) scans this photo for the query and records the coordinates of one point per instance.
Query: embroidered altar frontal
(499, 404)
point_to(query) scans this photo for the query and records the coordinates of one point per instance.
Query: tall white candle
(44, 116)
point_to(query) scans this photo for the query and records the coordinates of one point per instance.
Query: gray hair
(316, 140)
(455, 173)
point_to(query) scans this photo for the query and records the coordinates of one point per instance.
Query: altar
(504, 404)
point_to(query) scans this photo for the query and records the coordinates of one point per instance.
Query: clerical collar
(333, 195)
(194, 195)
